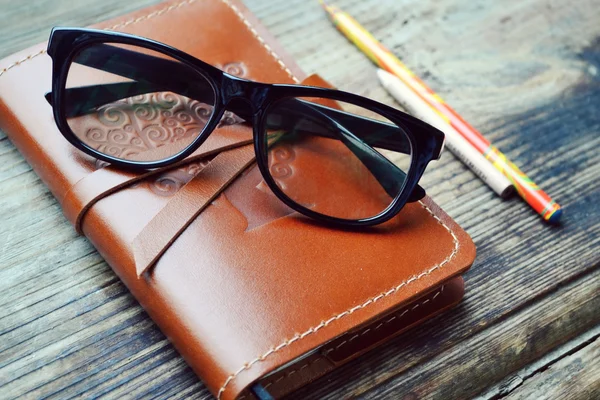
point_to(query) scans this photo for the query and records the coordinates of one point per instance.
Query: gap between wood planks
(512, 383)
(484, 356)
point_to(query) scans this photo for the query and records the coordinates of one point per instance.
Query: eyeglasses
(331, 155)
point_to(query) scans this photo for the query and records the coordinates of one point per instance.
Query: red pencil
(380, 55)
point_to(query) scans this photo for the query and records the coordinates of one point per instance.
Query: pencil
(382, 57)
(458, 145)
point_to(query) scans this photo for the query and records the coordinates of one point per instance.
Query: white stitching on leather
(166, 10)
(151, 15)
(288, 374)
(370, 329)
(323, 324)
(16, 63)
(261, 40)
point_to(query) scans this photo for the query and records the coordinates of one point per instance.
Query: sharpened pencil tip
(328, 8)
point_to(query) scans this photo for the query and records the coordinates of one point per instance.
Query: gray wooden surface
(526, 72)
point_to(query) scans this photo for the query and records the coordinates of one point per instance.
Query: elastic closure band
(181, 210)
(110, 179)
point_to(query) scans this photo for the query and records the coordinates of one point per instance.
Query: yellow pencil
(381, 56)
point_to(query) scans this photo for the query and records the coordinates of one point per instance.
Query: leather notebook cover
(247, 290)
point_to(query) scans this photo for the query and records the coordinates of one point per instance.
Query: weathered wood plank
(25, 23)
(577, 376)
(464, 369)
(519, 378)
(525, 72)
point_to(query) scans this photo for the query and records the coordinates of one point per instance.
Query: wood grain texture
(577, 376)
(523, 376)
(525, 72)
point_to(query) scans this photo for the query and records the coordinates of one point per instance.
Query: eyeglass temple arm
(314, 119)
(150, 76)
(379, 166)
(86, 99)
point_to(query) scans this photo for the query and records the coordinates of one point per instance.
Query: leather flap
(248, 285)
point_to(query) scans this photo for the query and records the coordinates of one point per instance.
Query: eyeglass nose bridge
(242, 97)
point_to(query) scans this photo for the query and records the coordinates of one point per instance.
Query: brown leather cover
(246, 289)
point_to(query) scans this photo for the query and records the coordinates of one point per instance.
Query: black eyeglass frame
(426, 141)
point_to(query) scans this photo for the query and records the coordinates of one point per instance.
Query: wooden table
(526, 72)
